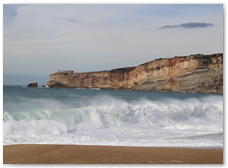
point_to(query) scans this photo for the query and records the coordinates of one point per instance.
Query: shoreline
(113, 89)
(90, 154)
(184, 147)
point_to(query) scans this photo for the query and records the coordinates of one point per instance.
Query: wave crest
(105, 112)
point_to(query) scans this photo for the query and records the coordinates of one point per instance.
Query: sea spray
(96, 117)
(108, 112)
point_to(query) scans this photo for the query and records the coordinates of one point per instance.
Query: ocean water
(113, 118)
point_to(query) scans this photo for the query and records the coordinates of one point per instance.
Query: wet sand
(80, 154)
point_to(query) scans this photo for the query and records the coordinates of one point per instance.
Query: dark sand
(80, 154)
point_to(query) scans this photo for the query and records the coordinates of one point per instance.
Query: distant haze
(24, 79)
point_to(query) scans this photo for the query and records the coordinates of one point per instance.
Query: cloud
(188, 25)
(71, 20)
(139, 19)
(9, 12)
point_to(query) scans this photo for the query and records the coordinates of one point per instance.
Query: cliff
(195, 74)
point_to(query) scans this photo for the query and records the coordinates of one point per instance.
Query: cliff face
(195, 74)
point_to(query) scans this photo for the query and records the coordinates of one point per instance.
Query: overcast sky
(40, 39)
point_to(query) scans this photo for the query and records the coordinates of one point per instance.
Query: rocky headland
(189, 74)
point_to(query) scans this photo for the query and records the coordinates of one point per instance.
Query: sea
(111, 118)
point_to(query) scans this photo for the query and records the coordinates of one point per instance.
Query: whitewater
(111, 118)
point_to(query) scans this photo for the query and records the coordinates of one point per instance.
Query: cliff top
(196, 56)
(128, 69)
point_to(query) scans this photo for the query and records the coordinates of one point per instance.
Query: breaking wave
(108, 113)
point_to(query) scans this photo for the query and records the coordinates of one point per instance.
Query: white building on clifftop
(66, 71)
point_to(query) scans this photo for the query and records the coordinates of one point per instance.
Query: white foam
(106, 120)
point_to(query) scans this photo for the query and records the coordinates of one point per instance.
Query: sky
(39, 39)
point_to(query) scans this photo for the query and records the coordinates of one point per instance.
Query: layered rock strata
(195, 74)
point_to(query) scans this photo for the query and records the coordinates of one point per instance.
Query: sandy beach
(80, 154)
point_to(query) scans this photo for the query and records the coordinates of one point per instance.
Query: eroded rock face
(194, 74)
(32, 85)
